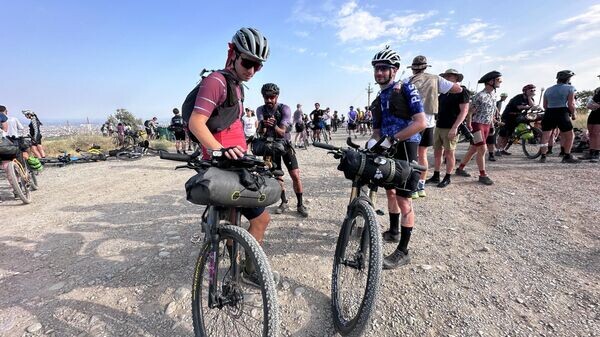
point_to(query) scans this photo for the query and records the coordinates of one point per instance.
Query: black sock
(299, 197)
(549, 148)
(404, 239)
(491, 153)
(394, 223)
(283, 197)
(562, 150)
(447, 176)
(436, 174)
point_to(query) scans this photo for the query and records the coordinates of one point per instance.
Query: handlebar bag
(8, 150)
(232, 188)
(383, 171)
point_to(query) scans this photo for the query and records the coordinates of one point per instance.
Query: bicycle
(24, 145)
(358, 252)
(527, 134)
(218, 293)
(18, 175)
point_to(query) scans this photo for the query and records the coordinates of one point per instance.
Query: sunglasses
(270, 97)
(381, 68)
(246, 63)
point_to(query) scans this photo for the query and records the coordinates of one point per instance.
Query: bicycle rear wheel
(531, 147)
(234, 309)
(356, 270)
(129, 155)
(18, 182)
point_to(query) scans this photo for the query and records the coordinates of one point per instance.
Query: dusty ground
(104, 250)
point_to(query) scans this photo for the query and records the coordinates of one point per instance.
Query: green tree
(581, 99)
(127, 118)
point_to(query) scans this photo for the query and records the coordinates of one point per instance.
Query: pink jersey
(211, 94)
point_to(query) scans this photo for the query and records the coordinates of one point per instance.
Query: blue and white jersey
(390, 124)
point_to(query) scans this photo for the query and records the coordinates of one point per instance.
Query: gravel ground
(105, 250)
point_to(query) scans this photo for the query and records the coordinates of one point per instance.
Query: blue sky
(78, 59)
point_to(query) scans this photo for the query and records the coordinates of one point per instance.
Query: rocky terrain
(104, 250)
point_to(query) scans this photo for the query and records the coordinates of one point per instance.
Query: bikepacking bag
(263, 147)
(383, 171)
(232, 188)
(8, 150)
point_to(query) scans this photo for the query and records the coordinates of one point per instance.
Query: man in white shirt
(14, 125)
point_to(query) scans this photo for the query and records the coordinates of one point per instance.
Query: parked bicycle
(18, 173)
(527, 133)
(357, 262)
(135, 152)
(222, 305)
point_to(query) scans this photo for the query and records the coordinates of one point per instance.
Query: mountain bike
(18, 174)
(24, 144)
(527, 134)
(357, 262)
(222, 305)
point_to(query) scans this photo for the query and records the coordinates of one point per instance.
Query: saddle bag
(8, 150)
(232, 188)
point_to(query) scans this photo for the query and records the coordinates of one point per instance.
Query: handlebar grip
(175, 156)
(417, 167)
(325, 146)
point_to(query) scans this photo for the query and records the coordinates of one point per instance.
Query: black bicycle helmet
(269, 89)
(492, 75)
(250, 42)
(564, 74)
(386, 56)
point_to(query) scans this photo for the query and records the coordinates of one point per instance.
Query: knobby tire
(18, 182)
(214, 322)
(531, 147)
(369, 238)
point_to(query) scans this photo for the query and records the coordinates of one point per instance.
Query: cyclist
(3, 120)
(150, 126)
(397, 113)
(245, 56)
(523, 101)
(317, 119)
(430, 86)
(559, 103)
(35, 133)
(276, 118)
(593, 125)
(298, 125)
(327, 121)
(480, 119)
(12, 124)
(352, 120)
(453, 109)
(335, 121)
(176, 126)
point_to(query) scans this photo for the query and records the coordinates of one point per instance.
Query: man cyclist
(352, 120)
(398, 113)
(276, 118)
(593, 125)
(317, 119)
(246, 53)
(177, 127)
(327, 121)
(523, 101)
(559, 104)
(430, 86)
(150, 126)
(335, 121)
(480, 120)
(299, 125)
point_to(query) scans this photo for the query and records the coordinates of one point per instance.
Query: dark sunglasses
(270, 97)
(246, 63)
(381, 68)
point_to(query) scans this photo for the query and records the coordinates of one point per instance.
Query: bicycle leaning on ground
(222, 305)
(357, 263)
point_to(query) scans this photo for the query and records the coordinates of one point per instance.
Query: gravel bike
(527, 134)
(223, 305)
(357, 262)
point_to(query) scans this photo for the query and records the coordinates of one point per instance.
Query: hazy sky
(77, 59)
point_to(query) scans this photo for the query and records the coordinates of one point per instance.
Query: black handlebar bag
(383, 171)
(8, 150)
(232, 188)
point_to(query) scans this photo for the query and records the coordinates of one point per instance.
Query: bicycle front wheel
(18, 182)
(232, 307)
(356, 270)
(531, 146)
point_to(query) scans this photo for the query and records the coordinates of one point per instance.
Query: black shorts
(491, 138)
(408, 151)
(427, 137)
(557, 117)
(36, 140)
(351, 126)
(299, 127)
(289, 159)
(594, 117)
(251, 213)
(327, 127)
(179, 134)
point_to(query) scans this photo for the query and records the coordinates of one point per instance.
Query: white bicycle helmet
(387, 56)
(251, 42)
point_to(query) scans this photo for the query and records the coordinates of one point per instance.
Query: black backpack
(222, 116)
